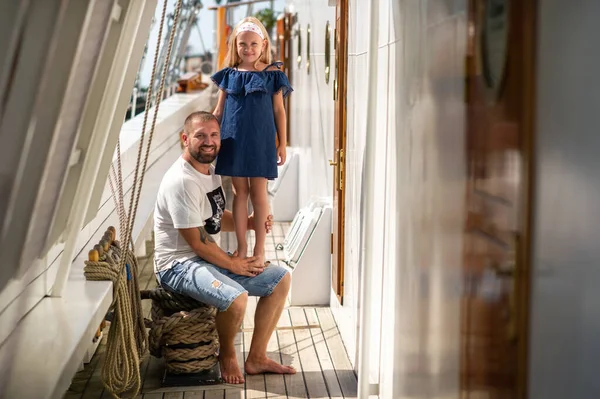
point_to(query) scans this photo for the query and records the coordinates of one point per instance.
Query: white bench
(43, 353)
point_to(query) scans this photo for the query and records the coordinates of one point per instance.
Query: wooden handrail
(189, 82)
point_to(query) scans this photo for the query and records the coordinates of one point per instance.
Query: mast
(188, 18)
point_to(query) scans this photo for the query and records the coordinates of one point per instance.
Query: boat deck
(306, 338)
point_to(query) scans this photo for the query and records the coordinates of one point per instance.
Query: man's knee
(238, 306)
(283, 287)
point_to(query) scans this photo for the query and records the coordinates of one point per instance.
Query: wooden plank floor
(306, 338)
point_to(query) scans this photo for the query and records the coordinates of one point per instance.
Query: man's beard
(204, 157)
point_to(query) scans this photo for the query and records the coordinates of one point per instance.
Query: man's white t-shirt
(186, 198)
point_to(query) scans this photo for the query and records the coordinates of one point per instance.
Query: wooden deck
(306, 338)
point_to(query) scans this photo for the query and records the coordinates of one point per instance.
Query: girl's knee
(241, 187)
(259, 199)
(243, 194)
(258, 194)
(258, 183)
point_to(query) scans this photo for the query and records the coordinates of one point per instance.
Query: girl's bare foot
(260, 258)
(242, 251)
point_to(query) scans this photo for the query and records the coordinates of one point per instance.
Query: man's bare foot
(265, 366)
(230, 371)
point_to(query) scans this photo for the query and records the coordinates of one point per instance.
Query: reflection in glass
(299, 36)
(327, 51)
(494, 43)
(308, 49)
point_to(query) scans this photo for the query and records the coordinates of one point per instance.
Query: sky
(207, 22)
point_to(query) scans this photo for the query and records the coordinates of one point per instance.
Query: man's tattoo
(204, 236)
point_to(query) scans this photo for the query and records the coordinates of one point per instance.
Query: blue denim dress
(248, 124)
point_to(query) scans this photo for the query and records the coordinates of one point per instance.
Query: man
(190, 212)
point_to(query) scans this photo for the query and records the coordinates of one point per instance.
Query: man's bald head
(198, 116)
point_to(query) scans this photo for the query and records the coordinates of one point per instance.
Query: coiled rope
(127, 338)
(183, 331)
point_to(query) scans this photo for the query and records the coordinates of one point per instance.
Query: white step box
(307, 252)
(284, 191)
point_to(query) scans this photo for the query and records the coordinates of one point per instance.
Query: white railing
(169, 91)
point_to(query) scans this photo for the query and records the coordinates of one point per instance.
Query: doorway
(340, 72)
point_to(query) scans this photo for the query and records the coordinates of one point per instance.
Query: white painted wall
(420, 189)
(312, 103)
(565, 309)
(428, 55)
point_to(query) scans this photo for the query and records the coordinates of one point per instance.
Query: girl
(250, 109)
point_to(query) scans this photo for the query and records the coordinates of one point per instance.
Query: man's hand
(268, 223)
(245, 267)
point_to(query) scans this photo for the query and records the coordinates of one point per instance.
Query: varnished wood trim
(341, 98)
(530, 24)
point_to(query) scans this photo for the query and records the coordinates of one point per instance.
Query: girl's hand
(281, 154)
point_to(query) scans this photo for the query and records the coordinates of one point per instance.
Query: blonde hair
(233, 59)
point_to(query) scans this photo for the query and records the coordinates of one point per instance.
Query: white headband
(250, 27)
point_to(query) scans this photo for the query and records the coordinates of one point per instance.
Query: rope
(167, 300)
(117, 198)
(183, 331)
(136, 191)
(127, 340)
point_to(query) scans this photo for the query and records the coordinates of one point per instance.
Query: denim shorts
(216, 286)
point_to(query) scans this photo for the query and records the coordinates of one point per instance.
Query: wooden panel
(341, 363)
(283, 51)
(222, 35)
(339, 142)
(318, 339)
(499, 115)
(313, 375)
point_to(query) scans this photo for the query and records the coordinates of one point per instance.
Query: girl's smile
(249, 46)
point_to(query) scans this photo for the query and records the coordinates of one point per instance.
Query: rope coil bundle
(127, 340)
(183, 331)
